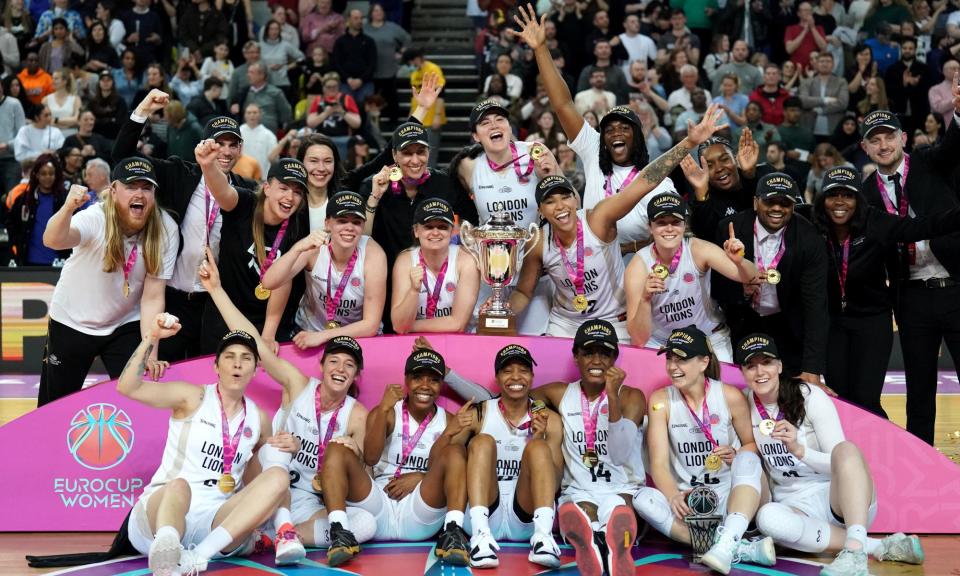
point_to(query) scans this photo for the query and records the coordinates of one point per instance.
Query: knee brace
(270, 457)
(606, 505)
(747, 470)
(793, 529)
(653, 507)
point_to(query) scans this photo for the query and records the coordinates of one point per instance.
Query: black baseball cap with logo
(712, 141)
(777, 185)
(133, 169)
(879, 119)
(346, 203)
(425, 360)
(513, 353)
(596, 332)
(410, 133)
(753, 344)
(483, 108)
(221, 125)
(238, 337)
(344, 344)
(841, 177)
(289, 171)
(433, 209)
(551, 185)
(666, 204)
(624, 113)
(687, 343)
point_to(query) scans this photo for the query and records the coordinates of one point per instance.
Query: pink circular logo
(689, 278)
(714, 419)
(355, 282)
(451, 287)
(247, 432)
(604, 409)
(100, 436)
(588, 251)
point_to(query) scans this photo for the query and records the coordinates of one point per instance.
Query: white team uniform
(447, 291)
(794, 483)
(194, 452)
(300, 419)
(312, 313)
(686, 300)
(603, 283)
(409, 519)
(689, 446)
(583, 484)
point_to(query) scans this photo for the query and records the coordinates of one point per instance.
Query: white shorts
(205, 502)
(567, 328)
(815, 503)
(505, 524)
(303, 505)
(410, 519)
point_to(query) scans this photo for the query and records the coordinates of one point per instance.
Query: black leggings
(858, 352)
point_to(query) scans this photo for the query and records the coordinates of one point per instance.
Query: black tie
(898, 193)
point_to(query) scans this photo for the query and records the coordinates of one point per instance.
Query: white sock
(873, 546)
(856, 535)
(543, 520)
(480, 519)
(321, 532)
(455, 516)
(281, 517)
(167, 530)
(734, 525)
(339, 516)
(214, 543)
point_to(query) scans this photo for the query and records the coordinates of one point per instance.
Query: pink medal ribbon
(395, 186)
(212, 210)
(764, 415)
(331, 426)
(674, 262)
(704, 423)
(576, 276)
(781, 249)
(334, 301)
(230, 445)
(127, 268)
(522, 175)
(433, 297)
(608, 186)
(903, 210)
(409, 443)
(590, 419)
(522, 426)
(842, 270)
(273, 249)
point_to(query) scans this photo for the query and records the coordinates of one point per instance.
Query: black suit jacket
(204, 109)
(802, 292)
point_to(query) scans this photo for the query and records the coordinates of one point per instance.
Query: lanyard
(523, 425)
(781, 249)
(590, 418)
(334, 301)
(395, 186)
(674, 262)
(576, 276)
(764, 415)
(331, 426)
(273, 249)
(230, 445)
(433, 297)
(842, 268)
(608, 186)
(409, 443)
(704, 421)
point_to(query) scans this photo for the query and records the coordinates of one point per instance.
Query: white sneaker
(900, 548)
(847, 563)
(191, 563)
(544, 550)
(164, 555)
(289, 548)
(723, 554)
(483, 550)
(758, 551)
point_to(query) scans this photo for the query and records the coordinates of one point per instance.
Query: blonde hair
(259, 239)
(153, 245)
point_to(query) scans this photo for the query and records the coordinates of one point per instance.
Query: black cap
(666, 204)
(713, 140)
(596, 332)
(346, 203)
(106, 72)
(624, 113)
(425, 360)
(220, 125)
(356, 139)
(344, 344)
(289, 171)
(409, 133)
(687, 343)
(483, 108)
(433, 209)
(879, 119)
(513, 353)
(754, 344)
(133, 169)
(841, 177)
(238, 337)
(551, 184)
(777, 184)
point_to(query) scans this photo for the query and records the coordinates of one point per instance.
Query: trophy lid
(500, 226)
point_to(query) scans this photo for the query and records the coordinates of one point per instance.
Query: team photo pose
(819, 482)
(699, 435)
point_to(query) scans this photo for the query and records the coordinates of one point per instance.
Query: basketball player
(699, 435)
(199, 503)
(822, 491)
(317, 411)
(413, 490)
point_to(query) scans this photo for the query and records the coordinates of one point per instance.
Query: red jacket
(772, 107)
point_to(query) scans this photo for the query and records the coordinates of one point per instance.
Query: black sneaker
(343, 545)
(452, 545)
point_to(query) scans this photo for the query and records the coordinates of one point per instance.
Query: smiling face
(762, 374)
(319, 162)
(423, 388)
(721, 167)
(667, 232)
(618, 139)
(493, 132)
(339, 373)
(515, 380)
(345, 231)
(230, 150)
(282, 199)
(412, 160)
(593, 361)
(774, 213)
(433, 235)
(840, 205)
(134, 203)
(235, 367)
(560, 210)
(686, 372)
(46, 177)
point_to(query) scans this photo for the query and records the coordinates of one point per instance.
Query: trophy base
(490, 325)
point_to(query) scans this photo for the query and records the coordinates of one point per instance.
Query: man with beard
(908, 83)
(790, 300)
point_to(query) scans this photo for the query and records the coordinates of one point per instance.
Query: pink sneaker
(290, 549)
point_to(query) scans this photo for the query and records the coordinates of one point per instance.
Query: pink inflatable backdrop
(79, 463)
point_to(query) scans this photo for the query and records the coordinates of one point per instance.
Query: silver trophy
(703, 522)
(499, 247)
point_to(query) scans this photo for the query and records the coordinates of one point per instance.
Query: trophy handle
(533, 236)
(468, 241)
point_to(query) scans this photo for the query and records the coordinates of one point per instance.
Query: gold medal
(713, 463)
(580, 303)
(537, 406)
(661, 271)
(317, 483)
(333, 324)
(396, 174)
(766, 426)
(590, 458)
(537, 151)
(261, 293)
(227, 483)
(126, 289)
(773, 277)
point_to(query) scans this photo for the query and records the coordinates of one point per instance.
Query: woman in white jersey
(435, 284)
(346, 276)
(578, 248)
(200, 503)
(819, 482)
(317, 411)
(699, 435)
(668, 286)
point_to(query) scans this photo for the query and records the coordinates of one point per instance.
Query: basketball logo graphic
(689, 278)
(355, 282)
(703, 501)
(451, 287)
(100, 436)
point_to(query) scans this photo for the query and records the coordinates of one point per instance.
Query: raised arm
(378, 187)
(206, 154)
(287, 266)
(640, 287)
(406, 289)
(380, 423)
(728, 261)
(59, 235)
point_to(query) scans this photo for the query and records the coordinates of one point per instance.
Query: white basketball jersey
(689, 446)
(503, 192)
(312, 313)
(634, 226)
(194, 447)
(602, 273)
(685, 300)
(510, 444)
(300, 419)
(447, 291)
(605, 477)
(419, 459)
(788, 474)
